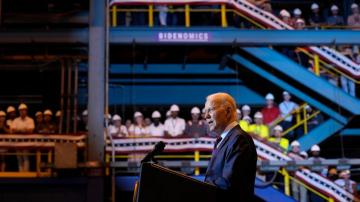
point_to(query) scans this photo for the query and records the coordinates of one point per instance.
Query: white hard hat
(307, 107)
(38, 113)
(284, 13)
(174, 108)
(85, 112)
(295, 143)
(58, 113)
(116, 117)
(156, 114)
(314, 6)
(10, 109)
(195, 110)
(48, 112)
(334, 8)
(22, 106)
(137, 114)
(247, 118)
(168, 113)
(298, 21)
(203, 110)
(2, 113)
(297, 11)
(238, 111)
(258, 115)
(246, 108)
(354, 5)
(344, 172)
(278, 128)
(315, 148)
(109, 116)
(304, 153)
(286, 93)
(269, 96)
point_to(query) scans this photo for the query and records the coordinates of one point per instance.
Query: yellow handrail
(280, 119)
(300, 123)
(328, 66)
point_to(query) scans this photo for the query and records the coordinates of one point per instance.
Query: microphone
(158, 148)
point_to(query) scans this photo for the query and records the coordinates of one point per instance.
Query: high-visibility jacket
(260, 130)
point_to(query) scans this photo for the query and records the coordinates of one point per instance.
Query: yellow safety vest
(260, 130)
(283, 143)
(244, 125)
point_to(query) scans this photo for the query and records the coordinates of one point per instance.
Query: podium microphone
(158, 148)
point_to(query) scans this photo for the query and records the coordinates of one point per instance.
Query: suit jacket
(232, 167)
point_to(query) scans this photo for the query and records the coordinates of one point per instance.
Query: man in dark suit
(233, 164)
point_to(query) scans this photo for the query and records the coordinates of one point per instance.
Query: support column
(96, 98)
(96, 80)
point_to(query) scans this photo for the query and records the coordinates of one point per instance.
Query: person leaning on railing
(138, 128)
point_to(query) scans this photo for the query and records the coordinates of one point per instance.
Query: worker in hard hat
(287, 108)
(195, 127)
(259, 129)
(23, 125)
(245, 122)
(174, 125)
(11, 115)
(245, 110)
(299, 192)
(270, 112)
(138, 128)
(278, 140)
(285, 16)
(156, 129)
(117, 129)
(39, 118)
(315, 156)
(345, 182)
(238, 113)
(316, 18)
(335, 19)
(48, 126)
(83, 124)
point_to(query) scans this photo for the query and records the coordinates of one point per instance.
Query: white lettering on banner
(183, 37)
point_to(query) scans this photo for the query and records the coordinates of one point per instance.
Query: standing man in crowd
(23, 125)
(233, 164)
(270, 112)
(196, 127)
(174, 126)
(48, 126)
(156, 129)
(11, 115)
(287, 107)
(117, 129)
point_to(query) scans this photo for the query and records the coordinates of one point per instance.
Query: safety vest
(260, 130)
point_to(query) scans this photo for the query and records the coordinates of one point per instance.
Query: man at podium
(233, 164)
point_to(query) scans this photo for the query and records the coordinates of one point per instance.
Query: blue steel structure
(290, 76)
(223, 36)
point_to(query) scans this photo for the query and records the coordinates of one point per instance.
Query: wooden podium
(161, 184)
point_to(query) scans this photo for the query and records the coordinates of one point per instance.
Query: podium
(161, 184)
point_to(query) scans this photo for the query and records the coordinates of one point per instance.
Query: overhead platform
(192, 35)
